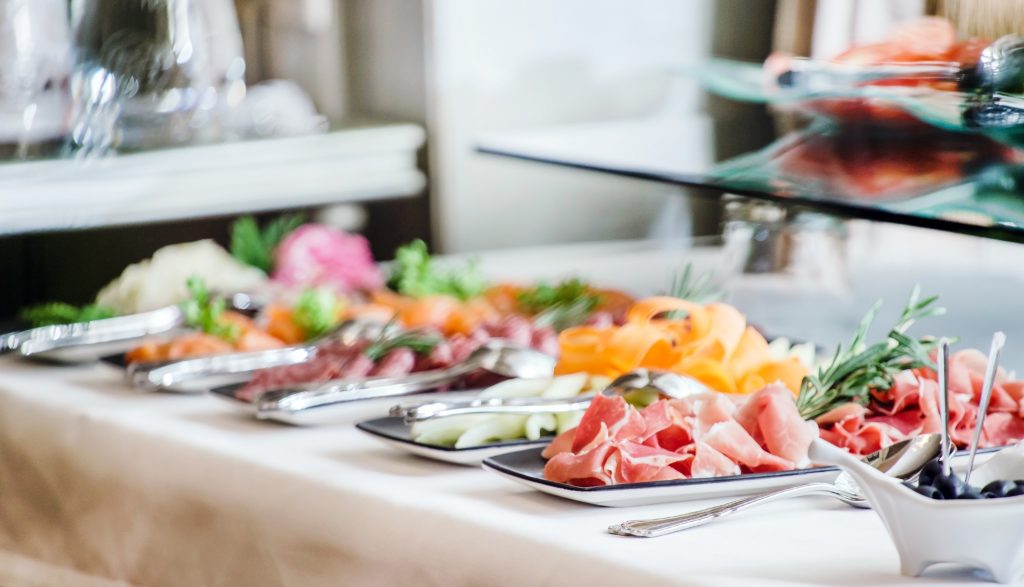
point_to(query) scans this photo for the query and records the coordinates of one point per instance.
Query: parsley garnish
(205, 312)
(416, 274)
(316, 312)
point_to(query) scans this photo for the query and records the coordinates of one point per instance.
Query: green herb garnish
(858, 369)
(417, 275)
(316, 312)
(686, 285)
(421, 343)
(568, 303)
(205, 312)
(255, 247)
(61, 313)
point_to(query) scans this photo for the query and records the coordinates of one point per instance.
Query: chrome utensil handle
(943, 360)
(10, 341)
(120, 328)
(661, 526)
(292, 400)
(154, 376)
(526, 406)
(811, 74)
(991, 370)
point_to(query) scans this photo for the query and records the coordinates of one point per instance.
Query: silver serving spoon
(497, 356)
(903, 460)
(998, 341)
(666, 384)
(199, 374)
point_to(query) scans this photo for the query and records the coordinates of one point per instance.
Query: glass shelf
(849, 157)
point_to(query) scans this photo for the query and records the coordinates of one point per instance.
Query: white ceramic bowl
(985, 534)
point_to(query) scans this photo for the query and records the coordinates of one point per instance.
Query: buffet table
(103, 485)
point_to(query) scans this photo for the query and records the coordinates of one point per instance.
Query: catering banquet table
(103, 485)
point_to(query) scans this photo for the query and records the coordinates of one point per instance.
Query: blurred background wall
(462, 69)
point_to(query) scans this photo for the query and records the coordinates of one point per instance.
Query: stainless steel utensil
(998, 341)
(903, 460)
(202, 373)
(999, 69)
(496, 356)
(668, 385)
(947, 450)
(88, 341)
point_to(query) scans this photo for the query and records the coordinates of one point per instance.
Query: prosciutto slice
(678, 439)
(911, 407)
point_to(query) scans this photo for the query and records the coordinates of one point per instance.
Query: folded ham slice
(677, 439)
(911, 407)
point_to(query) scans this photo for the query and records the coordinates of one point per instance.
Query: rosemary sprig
(859, 368)
(567, 303)
(61, 313)
(254, 246)
(418, 341)
(687, 285)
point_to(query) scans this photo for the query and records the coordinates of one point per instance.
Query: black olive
(1015, 491)
(951, 487)
(971, 493)
(999, 488)
(930, 471)
(929, 491)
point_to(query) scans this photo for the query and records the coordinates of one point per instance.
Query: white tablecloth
(175, 490)
(100, 484)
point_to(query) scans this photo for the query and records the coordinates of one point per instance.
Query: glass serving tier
(915, 156)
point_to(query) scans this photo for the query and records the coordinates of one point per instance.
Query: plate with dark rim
(527, 468)
(394, 432)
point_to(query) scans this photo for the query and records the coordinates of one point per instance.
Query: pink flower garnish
(318, 255)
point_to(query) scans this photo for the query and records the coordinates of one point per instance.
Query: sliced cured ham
(708, 462)
(785, 433)
(676, 439)
(730, 439)
(610, 416)
(911, 407)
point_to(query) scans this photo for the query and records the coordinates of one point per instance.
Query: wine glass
(35, 66)
(154, 73)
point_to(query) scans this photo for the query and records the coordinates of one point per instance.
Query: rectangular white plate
(527, 467)
(394, 432)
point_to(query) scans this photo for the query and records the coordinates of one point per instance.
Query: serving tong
(202, 373)
(666, 384)
(302, 405)
(88, 341)
(991, 371)
(85, 342)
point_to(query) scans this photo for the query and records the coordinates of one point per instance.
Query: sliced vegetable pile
(478, 430)
(713, 344)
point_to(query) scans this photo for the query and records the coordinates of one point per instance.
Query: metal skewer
(998, 340)
(947, 450)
